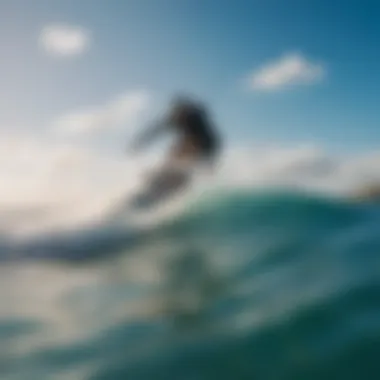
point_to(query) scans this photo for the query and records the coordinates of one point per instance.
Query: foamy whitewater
(268, 271)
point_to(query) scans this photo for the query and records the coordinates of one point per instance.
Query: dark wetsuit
(197, 136)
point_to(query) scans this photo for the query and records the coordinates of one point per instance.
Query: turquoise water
(246, 286)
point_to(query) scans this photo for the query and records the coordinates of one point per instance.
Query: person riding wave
(197, 143)
(197, 138)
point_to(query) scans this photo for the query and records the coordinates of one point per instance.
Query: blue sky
(209, 48)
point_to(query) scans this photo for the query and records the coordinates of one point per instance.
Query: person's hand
(145, 138)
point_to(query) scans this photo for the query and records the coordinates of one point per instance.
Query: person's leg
(175, 174)
(171, 178)
(162, 186)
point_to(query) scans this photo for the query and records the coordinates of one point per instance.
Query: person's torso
(194, 125)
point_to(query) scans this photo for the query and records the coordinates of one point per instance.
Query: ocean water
(242, 285)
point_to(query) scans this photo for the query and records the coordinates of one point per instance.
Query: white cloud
(290, 70)
(51, 184)
(122, 111)
(64, 40)
(64, 181)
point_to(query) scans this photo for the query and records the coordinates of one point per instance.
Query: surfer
(197, 144)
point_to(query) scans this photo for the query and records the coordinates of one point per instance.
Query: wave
(264, 284)
(213, 216)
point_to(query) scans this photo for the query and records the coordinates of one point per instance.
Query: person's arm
(149, 134)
